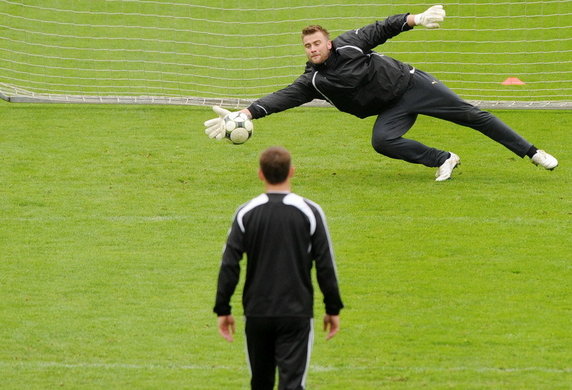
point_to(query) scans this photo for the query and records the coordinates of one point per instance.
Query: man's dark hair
(275, 164)
(309, 30)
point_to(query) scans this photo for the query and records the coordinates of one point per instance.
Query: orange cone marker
(513, 81)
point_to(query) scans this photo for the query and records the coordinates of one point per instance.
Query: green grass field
(112, 221)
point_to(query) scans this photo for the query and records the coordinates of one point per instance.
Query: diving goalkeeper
(348, 74)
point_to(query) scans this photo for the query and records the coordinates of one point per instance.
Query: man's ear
(261, 175)
(291, 171)
(329, 45)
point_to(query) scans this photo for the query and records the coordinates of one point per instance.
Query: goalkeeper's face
(317, 47)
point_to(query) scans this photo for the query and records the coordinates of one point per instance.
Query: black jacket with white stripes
(283, 235)
(354, 78)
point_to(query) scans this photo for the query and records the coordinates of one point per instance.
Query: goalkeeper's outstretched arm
(294, 95)
(299, 92)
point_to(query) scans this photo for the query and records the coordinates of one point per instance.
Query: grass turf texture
(113, 219)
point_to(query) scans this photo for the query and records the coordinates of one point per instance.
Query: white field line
(119, 218)
(46, 365)
(168, 218)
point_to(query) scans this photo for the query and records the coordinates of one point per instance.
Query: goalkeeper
(348, 74)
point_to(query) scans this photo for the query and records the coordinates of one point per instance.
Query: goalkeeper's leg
(387, 139)
(428, 96)
(435, 99)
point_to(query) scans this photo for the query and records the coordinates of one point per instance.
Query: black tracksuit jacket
(283, 236)
(354, 79)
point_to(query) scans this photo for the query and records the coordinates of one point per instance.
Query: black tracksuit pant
(428, 96)
(283, 342)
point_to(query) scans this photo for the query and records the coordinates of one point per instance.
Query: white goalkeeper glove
(215, 127)
(431, 17)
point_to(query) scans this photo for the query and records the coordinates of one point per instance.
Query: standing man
(353, 78)
(283, 235)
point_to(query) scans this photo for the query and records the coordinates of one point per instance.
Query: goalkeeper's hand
(214, 128)
(431, 17)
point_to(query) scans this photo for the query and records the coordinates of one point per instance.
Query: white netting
(197, 52)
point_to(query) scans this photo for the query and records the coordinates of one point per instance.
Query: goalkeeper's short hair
(314, 28)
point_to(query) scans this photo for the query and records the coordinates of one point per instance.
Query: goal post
(506, 54)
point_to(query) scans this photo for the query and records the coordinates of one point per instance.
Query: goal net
(493, 53)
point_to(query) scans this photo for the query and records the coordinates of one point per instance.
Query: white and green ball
(238, 127)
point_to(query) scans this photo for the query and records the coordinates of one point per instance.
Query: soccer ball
(238, 127)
